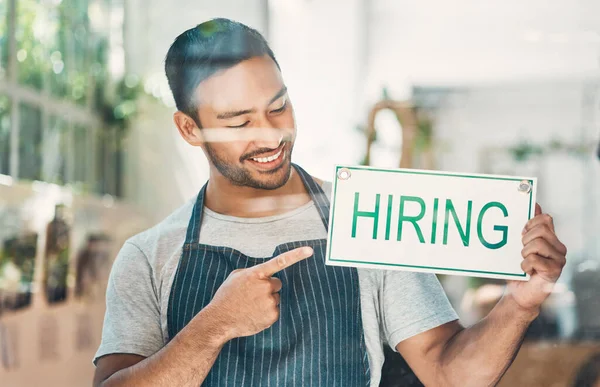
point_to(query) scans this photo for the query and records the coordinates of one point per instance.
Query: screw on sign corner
(344, 174)
(524, 186)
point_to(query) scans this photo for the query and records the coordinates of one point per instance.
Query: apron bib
(318, 339)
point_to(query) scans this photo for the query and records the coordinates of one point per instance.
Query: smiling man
(232, 288)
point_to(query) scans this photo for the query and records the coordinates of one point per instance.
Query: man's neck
(245, 202)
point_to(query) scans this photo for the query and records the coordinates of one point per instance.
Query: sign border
(419, 172)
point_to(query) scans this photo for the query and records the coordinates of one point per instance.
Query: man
(232, 289)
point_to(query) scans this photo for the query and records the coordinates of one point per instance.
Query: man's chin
(276, 178)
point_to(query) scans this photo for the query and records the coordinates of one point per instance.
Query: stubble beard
(242, 177)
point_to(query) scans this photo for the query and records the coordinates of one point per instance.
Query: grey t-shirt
(395, 305)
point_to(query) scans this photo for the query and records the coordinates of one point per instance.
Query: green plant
(424, 137)
(524, 150)
(118, 109)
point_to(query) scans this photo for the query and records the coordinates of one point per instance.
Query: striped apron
(318, 339)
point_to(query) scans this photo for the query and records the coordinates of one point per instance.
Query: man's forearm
(185, 361)
(481, 354)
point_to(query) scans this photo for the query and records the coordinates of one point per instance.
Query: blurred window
(30, 142)
(4, 135)
(56, 150)
(53, 47)
(82, 155)
(107, 167)
(3, 38)
(60, 51)
(30, 50)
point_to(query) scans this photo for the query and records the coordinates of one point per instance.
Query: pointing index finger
(283, 261)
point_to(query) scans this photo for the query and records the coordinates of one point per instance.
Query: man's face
(248, 124)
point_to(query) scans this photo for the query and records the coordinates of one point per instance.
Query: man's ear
(188, 129)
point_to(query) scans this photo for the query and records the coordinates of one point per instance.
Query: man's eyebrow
(237, 113)
(233, 114)
(278, 95)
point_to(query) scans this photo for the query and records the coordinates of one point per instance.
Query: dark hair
(200, 52)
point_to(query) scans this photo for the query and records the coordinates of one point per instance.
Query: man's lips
(266, 154)
(270, 163)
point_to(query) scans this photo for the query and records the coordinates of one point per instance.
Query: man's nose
(266, 135)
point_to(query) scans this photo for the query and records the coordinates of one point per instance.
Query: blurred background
(89, 155)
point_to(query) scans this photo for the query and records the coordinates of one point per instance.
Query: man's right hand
(248, 301)
(245, 304)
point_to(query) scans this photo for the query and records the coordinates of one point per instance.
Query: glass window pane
(68, 49)
(3, 38)
(4, 135)
(81, 154)
(30, 29)
(80, 54)
(44, 35)
(53, 47)
(30, 142)
(106, 162)
(101, 151)
(57, 40)
(56, 151)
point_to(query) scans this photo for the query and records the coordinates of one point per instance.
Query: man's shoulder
(166, 237)
(326, 186)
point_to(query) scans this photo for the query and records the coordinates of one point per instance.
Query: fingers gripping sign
(248, 301)
(544, 257)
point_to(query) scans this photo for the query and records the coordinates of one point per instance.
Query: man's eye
(239, 126)
(281, 109)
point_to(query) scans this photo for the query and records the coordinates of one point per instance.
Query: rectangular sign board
(429, 221)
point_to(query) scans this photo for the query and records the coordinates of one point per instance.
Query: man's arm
(244, 305)
(185, 361)
(451, 355)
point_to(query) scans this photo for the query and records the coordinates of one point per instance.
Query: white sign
(426, 221)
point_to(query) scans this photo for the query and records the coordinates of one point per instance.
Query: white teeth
(267, 159)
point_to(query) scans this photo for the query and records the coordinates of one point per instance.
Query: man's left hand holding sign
(452, 355)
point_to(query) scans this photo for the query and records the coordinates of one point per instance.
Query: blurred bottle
(586, 285)
(57, 256)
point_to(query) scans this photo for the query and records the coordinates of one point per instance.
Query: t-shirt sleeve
(412, 303)
(132, 317)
